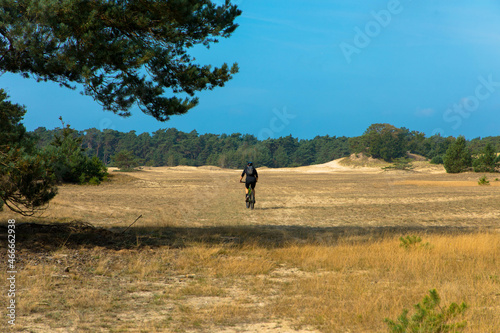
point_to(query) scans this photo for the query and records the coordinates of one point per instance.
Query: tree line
(171, 147)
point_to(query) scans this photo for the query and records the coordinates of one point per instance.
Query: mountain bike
(251, 198)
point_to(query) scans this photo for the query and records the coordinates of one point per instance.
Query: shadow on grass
(37, 236)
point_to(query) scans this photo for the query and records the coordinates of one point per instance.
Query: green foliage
(483, 181)
(438, 159)
(429, 317)
(27, 183)
(122, 52)
(458, 157)
(382, 141)
(172, 147)
(487, 160)
(125, 160)
(413, 242)
(69, 161)
(400, 164)
(94, 181)
(409, 241)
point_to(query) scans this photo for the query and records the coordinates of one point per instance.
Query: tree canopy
(458, 157)
(171, 147)
(27, 182)
(382, 141)
(123, 52)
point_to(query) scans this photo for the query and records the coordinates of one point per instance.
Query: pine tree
(27, 182)
(486, 161)
(125, 160)
(458, 157)
(69, 161)
(122, 52)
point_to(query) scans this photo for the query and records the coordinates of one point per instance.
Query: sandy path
(333, 166)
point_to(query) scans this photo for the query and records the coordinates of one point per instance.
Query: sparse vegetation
(430, 317)
(402, 163)
(483, 181)
(409, 241)
(307, 262)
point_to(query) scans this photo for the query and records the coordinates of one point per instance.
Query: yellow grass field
(320, 252)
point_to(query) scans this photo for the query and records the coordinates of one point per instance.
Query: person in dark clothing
(251, 177)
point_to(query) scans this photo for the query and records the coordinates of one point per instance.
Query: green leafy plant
(429, 317)
(483, 181)
(409, 241)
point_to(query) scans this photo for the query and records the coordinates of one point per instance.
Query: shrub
(126, 160)
(400, 164)
(429, 317)
(437, 159)
(408, 241)
(69, 162)
(483, 181)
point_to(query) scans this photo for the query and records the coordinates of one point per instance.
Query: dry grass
(321, 252)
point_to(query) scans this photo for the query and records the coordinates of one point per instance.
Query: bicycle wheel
(247, 202)
(252, 200)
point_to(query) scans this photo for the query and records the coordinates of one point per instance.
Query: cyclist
(251, 178)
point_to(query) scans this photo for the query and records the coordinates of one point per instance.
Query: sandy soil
(315, 203)
(326, 195)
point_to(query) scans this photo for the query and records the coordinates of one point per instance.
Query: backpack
(250, 171)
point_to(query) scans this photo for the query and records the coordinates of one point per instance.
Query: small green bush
(483, 181)
(94, 181)
(412, 242)
(409, 241)
(429, 317)
(437, 160)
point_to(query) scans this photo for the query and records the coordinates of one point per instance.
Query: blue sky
(317, 67)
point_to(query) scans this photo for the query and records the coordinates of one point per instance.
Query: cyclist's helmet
(249, 163)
